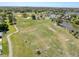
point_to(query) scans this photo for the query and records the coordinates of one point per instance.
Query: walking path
(10, 43)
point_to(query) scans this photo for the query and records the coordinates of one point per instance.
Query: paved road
(9, 42)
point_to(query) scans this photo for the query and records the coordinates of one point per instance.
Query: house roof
(1, 33)
(0, 47)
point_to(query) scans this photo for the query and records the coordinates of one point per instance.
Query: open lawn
(5, 46)
(43, 36)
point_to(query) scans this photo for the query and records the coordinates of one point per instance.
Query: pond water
(77, 13)
(67, 25)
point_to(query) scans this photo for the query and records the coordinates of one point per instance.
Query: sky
(41, 4)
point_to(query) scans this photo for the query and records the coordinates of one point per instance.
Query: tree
(3, 17)
(24, 15)
(3, 27)
(59, 21)
(33, 17)
(10, 19)
(74, 15)
(14, 20)
(77, 22)
(38, 52)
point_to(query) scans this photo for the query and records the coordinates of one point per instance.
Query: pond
(67, 25)
(77, 13)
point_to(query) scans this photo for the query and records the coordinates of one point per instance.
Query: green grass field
(35, 35)
(5, 46)
(4, 41)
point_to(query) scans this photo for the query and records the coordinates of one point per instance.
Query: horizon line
(38, 7)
